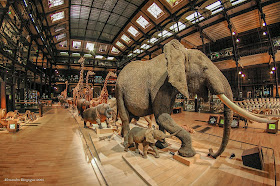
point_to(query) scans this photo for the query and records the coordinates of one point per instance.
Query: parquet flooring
(52, 151)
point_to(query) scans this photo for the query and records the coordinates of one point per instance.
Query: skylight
(137, 51)
(59, 28)
(77, 44)
(102, 48)
(129, 55)
(194, 16)
(235, 2)
(53, 3)
(173, 2)
(133, 31)
(87, 55)
(155, 11)
(164, 34)
(76, 54)
(143, 22)
(125, 38)
(110, 58)
(64, 53)
(145, 46)
(115, 50)
(90, 46)
(119, 44)
(215, 7)
(57, 16)
(98, 57)
(60, 36)
(153, 40)
(63, 44)
(175, 27)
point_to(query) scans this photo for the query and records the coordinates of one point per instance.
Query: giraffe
(77, 92)
(64, 92)
(104, 92)
(88, 91)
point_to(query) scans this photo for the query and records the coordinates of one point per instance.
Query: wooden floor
(50, 151)
(57, 151)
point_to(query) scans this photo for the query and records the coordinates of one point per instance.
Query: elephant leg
(108, 123)
(124, 115)
(155, 149)
(85, 124)
(145, 149)
(169, 125)
(99, 123)
(129, 140)
(136, 150)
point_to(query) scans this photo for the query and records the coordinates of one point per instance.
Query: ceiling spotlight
(243, 75)
(233, 33)
(264, 33)
(237, 40)
(240, 72)
(273, 68)
(264, 24)
(271, 72)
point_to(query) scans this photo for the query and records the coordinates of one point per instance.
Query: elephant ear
(176, 60)
(149, 136)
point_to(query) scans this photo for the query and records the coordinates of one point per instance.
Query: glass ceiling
(155, 11)
(100, 20)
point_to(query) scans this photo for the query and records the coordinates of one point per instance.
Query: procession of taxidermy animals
(149, 88)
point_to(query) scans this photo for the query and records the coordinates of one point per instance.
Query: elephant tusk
(243, 112)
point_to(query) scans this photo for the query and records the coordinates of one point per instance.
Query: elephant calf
(147, 137)
(97, 114)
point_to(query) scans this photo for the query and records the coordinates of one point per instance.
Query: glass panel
(194, 16)
(137, 51)
(59, 28)
(63, 44)
(175, 27)
(119, 44)
(90, 46)
(77, 44)
(60, 36)
(87, 55)
(75, 54)
(53, 3)
(98, 57)
(145, 46)
(153, 40)
(155, 11)
(133, 31)
(235, 2)
(143, 22)
(174, 2)
(64, 53)
(215, 7)
(125, 38)
(114, 50)
(110, 58)
(164, 34)
(57, 16)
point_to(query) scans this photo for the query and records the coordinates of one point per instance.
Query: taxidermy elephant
(98, 114)
(150, 87)
(82, 104)
(147, 137)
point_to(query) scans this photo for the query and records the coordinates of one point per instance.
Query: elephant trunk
(168, 136)
(218, 86)
(107, 113)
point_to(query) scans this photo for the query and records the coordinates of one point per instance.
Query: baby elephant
(97, 115)
(147, 137)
